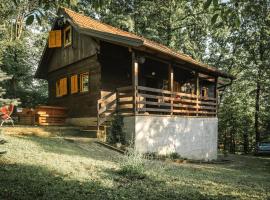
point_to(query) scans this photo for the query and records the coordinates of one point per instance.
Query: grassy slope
(52, 168)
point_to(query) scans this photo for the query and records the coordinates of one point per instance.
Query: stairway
(93, 131)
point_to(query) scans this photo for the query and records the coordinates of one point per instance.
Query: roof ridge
(105, 24)
(134, 34)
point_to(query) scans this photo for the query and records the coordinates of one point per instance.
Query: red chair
(6, 112)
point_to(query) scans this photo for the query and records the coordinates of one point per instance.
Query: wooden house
(168, 100)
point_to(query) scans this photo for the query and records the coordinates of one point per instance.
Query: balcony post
(171, 79)
(216, 93)
(197, 93)
(135, 70)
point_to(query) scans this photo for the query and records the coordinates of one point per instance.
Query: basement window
(67, 36)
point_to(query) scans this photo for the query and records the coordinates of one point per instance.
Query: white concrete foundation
(190, 137)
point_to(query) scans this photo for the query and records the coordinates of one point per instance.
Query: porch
(140, 83)
(156, 87)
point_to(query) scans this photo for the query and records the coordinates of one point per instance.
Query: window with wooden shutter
(61, 87)
(55, 39)
(84, 82)
(74, 84)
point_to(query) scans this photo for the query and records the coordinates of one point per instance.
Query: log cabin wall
(77, 58)
(80, 104)
(82, 47)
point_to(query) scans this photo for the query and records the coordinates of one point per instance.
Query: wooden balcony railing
(159, 101)
(146, 100)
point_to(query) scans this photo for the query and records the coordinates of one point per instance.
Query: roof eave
(201, 66)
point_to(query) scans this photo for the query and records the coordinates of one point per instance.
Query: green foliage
(133, 165)
(116, 133)
(20, 61)
(3, 77)
(207, 4)
(174, 155)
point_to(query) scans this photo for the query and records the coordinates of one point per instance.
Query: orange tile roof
(92, 24)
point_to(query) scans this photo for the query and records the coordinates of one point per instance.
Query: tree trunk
(232, 141)
(225, 141)
(246, 139)
(257, 110)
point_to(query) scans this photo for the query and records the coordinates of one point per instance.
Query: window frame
(68, 28)
(81, 82)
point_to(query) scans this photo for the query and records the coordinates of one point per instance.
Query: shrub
(116, 133)
(150, 155)
(174, 155)
(133, 165)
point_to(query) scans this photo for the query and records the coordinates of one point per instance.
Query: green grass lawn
(53, 168)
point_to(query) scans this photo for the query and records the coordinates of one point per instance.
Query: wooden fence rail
(154, 101)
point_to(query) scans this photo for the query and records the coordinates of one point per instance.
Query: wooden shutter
(55, 39)
(58, 38)
(51, 39)
(64, 86)
(74, 84)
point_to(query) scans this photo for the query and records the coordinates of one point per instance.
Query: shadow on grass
(61, 146)
(33, 182)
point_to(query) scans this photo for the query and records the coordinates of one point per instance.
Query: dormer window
(67, 36)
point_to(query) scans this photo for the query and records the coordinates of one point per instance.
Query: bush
(174, 156)
(116, 133)
(133, 165)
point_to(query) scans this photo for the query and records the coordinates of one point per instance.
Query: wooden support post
(197, 93)
(135, 71)
(97, 117)
(216, 93)
(171, 79)
(116, 101)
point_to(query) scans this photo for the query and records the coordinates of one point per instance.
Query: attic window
(67, 36)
